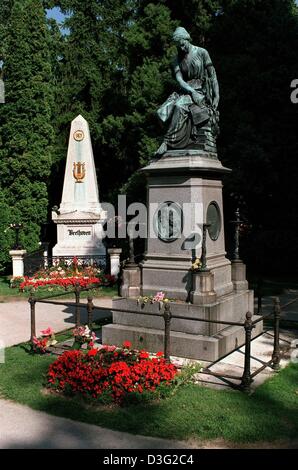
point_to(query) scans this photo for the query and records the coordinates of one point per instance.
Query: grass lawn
(5, 289)
(6, 293)
(271, 413)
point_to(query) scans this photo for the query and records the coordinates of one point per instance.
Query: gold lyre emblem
(79, 172)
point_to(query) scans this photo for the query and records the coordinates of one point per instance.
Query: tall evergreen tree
(90, 74)
(150, 52)
(115, 70)
(111, 60)
(25, 119)
(197, 16)
(254, 44)
(5, 9)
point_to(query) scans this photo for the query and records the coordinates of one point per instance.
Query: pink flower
(108, 348)
(48, 332)
(159, 297)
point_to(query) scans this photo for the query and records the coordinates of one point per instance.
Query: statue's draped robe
(179, 110)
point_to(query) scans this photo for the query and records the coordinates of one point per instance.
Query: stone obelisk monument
(80, 217)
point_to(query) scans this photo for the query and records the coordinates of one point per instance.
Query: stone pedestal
(189, 338)
(115, 260)
(192, 181)
(17, 262)
(203, 288)
(185, 192)
(79, 234)
(131, 281)
(239, 275)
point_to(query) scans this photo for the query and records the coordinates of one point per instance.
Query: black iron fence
(247, 376)
(265, 287)
(34, 261)
(37, 260)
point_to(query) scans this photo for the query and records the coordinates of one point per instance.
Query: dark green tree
(5, 10)
(197, 16)
(110, 68)
(6, 234)
(90, 76)
(116, 71)
(114, 68)
(254, 46)
(26, 131)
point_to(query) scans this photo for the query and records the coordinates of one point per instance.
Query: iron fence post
(90, 307)
(167, 337)
(203, 258)
(78, 294)
(17, 228)
(246, 377)
(32, 302)
(237, 224)
(119, 279)
(259, 294)
(131, 260)
(276, 348)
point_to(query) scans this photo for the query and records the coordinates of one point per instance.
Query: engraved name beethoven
(78, 232)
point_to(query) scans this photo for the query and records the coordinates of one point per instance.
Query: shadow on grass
(63, 433)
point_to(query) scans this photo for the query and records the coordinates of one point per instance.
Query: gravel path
(15, 318)
(24, 428)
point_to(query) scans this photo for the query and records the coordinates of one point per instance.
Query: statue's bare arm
(187, 88)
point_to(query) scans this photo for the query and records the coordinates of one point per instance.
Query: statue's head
(182, 39)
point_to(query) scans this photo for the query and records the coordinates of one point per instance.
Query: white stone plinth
(17, 262)
(78, 234)
(115, 260)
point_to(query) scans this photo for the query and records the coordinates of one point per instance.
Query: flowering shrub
(65, 276)
(82, 335)
(159, 297)
(16, 281)
(110, 372)
(196, 265)
(40, 345)
(61, 282)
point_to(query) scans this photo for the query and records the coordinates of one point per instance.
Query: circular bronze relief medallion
(214, 219)
(168, 221)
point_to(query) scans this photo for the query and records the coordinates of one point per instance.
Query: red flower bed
(65, 274)
(68, 282)
(63, 282)
(116, 371)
